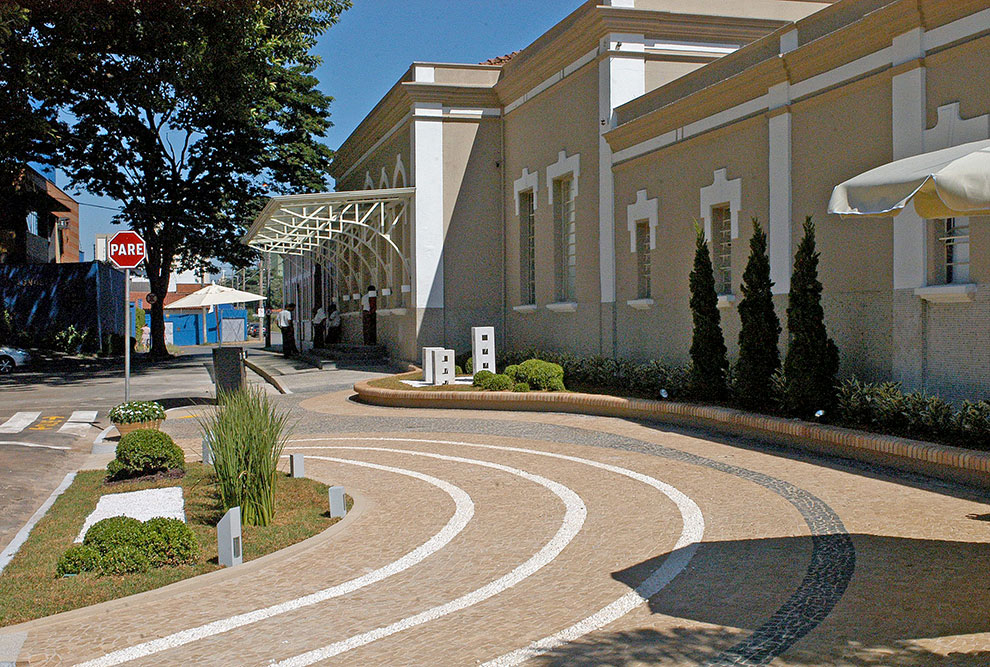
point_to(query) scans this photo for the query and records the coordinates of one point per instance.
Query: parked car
(12, 357)
(253, 329)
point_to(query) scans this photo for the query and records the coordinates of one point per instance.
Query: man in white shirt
(319, 327)
(284, 323)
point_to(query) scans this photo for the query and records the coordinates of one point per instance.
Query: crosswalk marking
(79, 422)
(19, 422)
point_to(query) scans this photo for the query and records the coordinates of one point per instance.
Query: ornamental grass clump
(247, 433)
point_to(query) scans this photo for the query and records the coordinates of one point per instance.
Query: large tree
(189, 112)
(29, 126)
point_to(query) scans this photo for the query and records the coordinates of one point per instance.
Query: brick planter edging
(939, 461)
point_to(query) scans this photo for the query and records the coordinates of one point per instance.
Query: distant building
(50, 234)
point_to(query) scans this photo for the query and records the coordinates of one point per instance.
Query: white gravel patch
(419, 384)
(140, 505)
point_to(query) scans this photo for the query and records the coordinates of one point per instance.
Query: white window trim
(726, 301)
(563, 167)
(952, 293)
(643, 209)
(563, 306)
(524, 183)
(640, 304)
(721, 191)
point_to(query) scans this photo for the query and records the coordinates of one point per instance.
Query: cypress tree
(812, 361)
(709, 363)
(759, 357)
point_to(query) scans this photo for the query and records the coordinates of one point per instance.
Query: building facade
(556, 192)
(50, 233)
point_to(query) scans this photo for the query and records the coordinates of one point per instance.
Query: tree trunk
(159, 268)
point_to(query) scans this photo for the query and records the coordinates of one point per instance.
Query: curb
(939, 461)
(268, 377)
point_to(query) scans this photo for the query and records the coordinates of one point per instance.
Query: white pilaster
(427, 242)
(779, 232)
(621, 78)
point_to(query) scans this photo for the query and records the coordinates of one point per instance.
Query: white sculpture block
(207, 452)
(483, 348)
(338, 507)
(229, 538)
(297, 465)
(428, 363)
(443, 367)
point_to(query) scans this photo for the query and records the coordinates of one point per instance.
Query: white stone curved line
(463, 512)
(684, 549)
(33, 446)
(574, 517)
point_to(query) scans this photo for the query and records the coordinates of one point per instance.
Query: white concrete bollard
(428, 363)
(207, 452)
(483, 349)
(229, 538)
(297, 465)
(443, 367)
(338, 506)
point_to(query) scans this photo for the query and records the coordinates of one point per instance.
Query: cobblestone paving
(803, 561)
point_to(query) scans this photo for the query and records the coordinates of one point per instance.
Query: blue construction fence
(187, 326)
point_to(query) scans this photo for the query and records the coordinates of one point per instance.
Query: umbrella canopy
(942, 184)
(214, 295)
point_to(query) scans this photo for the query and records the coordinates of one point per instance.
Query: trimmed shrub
(145, 452)
(458, 370)
(972, 424)
(469, 365)
(520, 387)
(541, 375)
(512, 371)
(248, 433)
(812, 361)
(124, 559)
(481, 377)
(759, 357)
(77, 559)
(709, 362)
(500, 382)
(112, 533)
(168, 542)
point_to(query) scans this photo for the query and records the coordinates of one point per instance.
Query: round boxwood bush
(512, 371)
(481, 378)
(520, 387)
(124, 559)
(499, 382)
(78, 558)
(541, 375)
(145, 452)
(469, 365)
(117, 531)
(168, 542)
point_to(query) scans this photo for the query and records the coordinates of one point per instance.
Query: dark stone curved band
(833, 557)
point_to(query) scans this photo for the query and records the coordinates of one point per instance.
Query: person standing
(369, 316)
(334, 323)
(284, 321)
(146, 337)
(319, 327)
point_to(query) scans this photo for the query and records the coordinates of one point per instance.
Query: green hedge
(122, 545)
(145, 452)
(481, 377)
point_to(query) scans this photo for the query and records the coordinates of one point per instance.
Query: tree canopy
(190, 113)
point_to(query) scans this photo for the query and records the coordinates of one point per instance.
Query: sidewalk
(300, 374)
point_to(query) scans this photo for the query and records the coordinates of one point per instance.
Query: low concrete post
(483, 349)
(443, 367)
(207, 451)
(229, 538)
(428, 363)
(297, 465)
(338, 508)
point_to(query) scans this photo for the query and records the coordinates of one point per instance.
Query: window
(721, 242)
(527, 250)
(953, 239)
(643, 260)
(32, 223)
(565, 239)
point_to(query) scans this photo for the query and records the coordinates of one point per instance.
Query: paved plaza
(508, 538)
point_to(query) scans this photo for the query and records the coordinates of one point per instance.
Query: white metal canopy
(348, 230)
(941, 184)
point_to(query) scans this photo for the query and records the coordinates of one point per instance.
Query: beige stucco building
(553, 194)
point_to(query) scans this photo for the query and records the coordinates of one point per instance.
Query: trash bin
(228, 368)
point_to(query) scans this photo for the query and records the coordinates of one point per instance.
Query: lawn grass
(30, 589)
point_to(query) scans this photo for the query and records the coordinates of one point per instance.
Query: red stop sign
(126, 250)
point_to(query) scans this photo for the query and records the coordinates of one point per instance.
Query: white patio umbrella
(941, 184)
(214, 295)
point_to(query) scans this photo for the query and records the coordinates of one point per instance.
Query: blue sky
(373, 45)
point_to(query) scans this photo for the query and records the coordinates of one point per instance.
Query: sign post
(127, 251)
